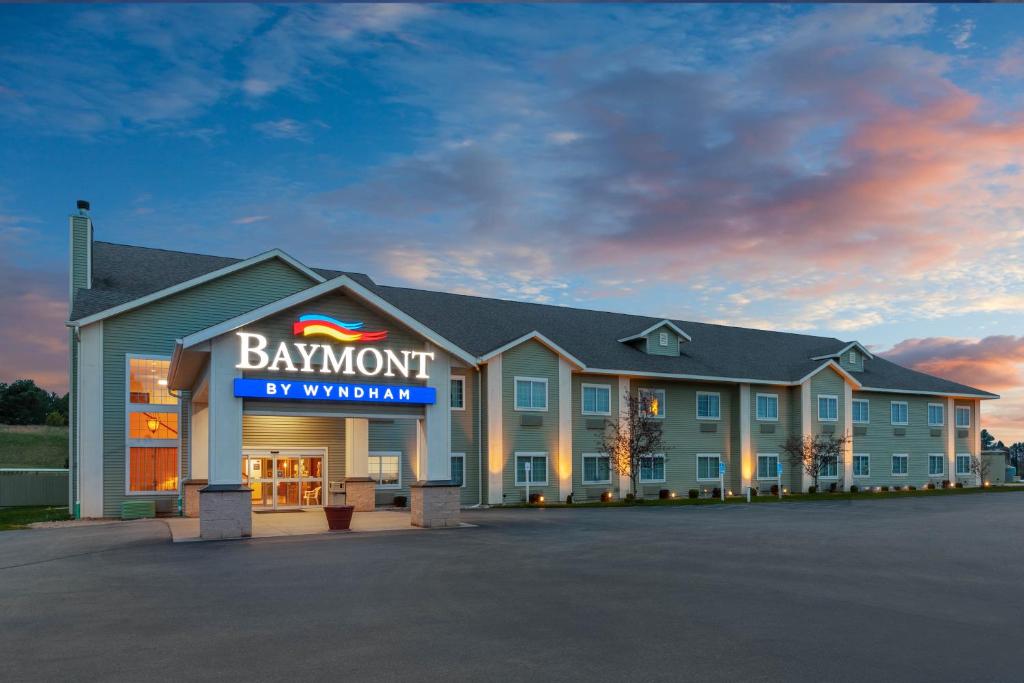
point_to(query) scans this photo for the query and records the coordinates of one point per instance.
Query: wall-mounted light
(153, 424)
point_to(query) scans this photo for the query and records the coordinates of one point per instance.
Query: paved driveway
(911, 589)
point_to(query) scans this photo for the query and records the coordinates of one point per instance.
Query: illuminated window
(861, 411)
(385, 469)
(458, 393)
(862, 466)
(652, 468)
(709, 406)
(963, 417)
(652, 402)
(828, 408)
(151, 428)
(768, 407)
(597, 399)
(459, 468)
(708, 467)
(767, 467)
(898, 413)
(152, 470)
(936, 464)
(531, 393)
(899, 464)
(532, 469)
(936, 416)
(596, 469)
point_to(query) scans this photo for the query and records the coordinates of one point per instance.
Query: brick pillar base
(225, 511)
(361, 494)
(435, 504)
(192, 487)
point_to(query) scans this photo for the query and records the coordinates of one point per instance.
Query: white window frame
(942, 410)
(892, 465)
(583, 471)
(829, 476)
(867, 404)
(716, 456)
(757, 414)
(530, 454)
(664, 472)
(662, 406)
(942, 464)
(130, 443)
(832, 397)
(387, 487)
(515, 394)
(663, 339)
(962, 409)
(967, 459)
(461, 456)
(866, 456)
(583, 403)
(897, 403)
(461, 379)
(757, 467)
(696, 407)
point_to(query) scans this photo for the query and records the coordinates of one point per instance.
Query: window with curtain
(652, 402)
(828, 408)
(708, 406)
(936, 464)
(829, 468)
(767, 466)
(936, 418)
(707, 467)
(768, 407)
(531, 393)
(861, 466)
(963, 463)
(458, 393)
(899, 413)
(152, 429)
(861, 411)
(963, 417)
(459, 469)
(652, 468)
(596, 469)
(899, 464)
(536, 474)
(597, 399)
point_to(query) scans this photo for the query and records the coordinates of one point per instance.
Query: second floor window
(935, 415)
(828, 408)
(861, 411)
(531, 393)
(597, 399)
(963, 417)
(767, 407)
(458, 393)
(708, 406)
(899, 413)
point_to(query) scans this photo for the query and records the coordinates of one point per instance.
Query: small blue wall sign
(294, 390)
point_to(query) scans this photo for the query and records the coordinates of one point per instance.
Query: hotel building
(213, 386)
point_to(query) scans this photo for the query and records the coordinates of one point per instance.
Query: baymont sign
(368, 361)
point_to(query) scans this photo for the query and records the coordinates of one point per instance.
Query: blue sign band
(295, 390)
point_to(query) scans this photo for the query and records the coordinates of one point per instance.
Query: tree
(632, 441)
(987, 440)
(815, 454)
(1017, 456)
(23, 403)
(980, 467)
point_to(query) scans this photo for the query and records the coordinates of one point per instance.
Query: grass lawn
(33, 446)
(19, 518)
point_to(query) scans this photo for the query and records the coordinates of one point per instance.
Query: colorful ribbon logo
(316, 324)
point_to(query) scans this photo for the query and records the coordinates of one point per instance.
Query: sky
(851, 171)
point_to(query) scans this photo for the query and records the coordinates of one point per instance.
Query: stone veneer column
(225, 506)
(435, 498)
(360, 490)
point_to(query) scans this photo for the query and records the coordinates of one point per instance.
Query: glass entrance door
(284, 479)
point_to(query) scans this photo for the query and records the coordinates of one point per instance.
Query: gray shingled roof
(479, 325)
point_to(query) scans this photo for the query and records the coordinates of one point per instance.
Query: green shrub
(930, 486)
(400, 501)
(854, 488)
(812, 489)
(716, 492)
(911, 488)
(775, 489)
(693, 493)
(833, 487)
(55, 419)
(959, 484)
(885, 488)
(664, 494)
(536, 498)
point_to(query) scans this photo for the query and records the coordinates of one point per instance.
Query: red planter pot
(339, 517)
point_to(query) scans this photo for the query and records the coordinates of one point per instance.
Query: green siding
(845, 364)
(395, 435)
(964, 444)
(881, 443)
(771, 443)
(81, 237)
(684, 438)
(465, 435)
(654, 346)
(585, 440)
(530, 359)
(152, 330)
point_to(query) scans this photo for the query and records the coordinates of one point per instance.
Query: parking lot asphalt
(916, 589)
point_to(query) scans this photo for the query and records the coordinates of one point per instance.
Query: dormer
(850, 357)
(664, 338)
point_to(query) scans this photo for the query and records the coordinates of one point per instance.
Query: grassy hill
(33, 446)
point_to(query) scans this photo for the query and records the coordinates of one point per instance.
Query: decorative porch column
(564, 429)
(435, 497)
(950, 439)
(623, 408)
(360, 489)
(806, 482)
(746, 449)
(225, 506)
(848, 433)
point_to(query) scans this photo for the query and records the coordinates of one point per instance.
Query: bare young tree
(980, 467)
(815, 454)
(634, 438)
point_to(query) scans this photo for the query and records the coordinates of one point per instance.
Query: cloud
(286, 129)
(993, 363)
(961, 34)
(248, 220)
(36, 346)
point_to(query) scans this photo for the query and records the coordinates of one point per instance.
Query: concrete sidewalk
(300, 523)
